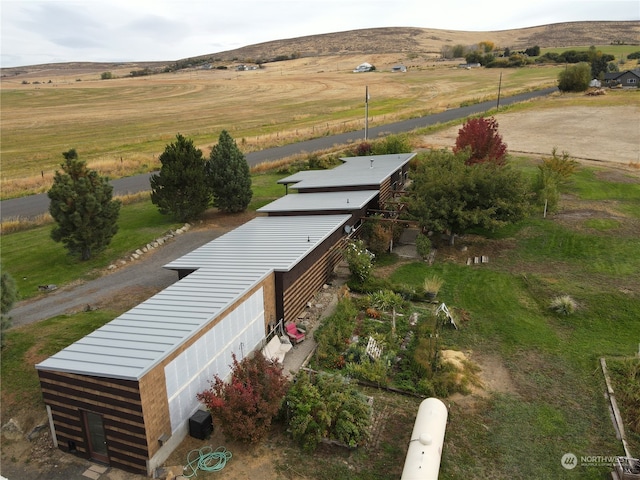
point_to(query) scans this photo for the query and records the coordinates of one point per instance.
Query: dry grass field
(120, 126)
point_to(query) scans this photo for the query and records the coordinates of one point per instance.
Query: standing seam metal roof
(225, 269)
(356, 171)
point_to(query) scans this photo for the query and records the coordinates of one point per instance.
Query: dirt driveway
(589, 133)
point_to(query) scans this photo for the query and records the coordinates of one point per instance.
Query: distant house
(399, 68)
(363, 67)
(469, 65)
(626, 79)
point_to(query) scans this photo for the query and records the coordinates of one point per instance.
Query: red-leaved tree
(481, 137)
(246, 405)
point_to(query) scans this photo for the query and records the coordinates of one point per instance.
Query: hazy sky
(47, 31)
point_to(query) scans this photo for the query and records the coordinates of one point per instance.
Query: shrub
(391, 144)
(359, 259)
(247, 404)
(432, 284)
(379, 240)
(423, 245)
(326, 406)
(334, 334)
(362, 149)
(564, 305)
(575, 78)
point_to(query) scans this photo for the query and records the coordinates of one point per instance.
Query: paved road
(34, 205)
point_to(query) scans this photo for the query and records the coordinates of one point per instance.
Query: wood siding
(118, 401)
(300, 284)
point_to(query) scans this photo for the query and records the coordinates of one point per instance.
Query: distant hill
(431, 40)
(406, 40)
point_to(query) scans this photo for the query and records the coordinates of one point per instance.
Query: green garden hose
(207, 460)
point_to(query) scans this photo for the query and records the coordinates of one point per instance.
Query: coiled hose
(206, 459)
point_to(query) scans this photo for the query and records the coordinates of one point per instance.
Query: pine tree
(229, 176)
(181, 189)
(83, 208)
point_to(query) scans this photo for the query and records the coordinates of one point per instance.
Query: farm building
(123, 395)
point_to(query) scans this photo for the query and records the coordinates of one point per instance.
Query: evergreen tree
(9, 295)
(180, 188)
(229, 176)
(83, 208)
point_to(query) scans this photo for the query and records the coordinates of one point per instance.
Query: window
(631, 81)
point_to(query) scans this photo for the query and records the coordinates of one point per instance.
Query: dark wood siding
(296, 287)
(118, 401)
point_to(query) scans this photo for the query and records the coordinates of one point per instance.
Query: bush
(575, 78)
(359, 259)
(391, 144)
(247, 404)
(334, 334)
(564, 305)
(380, 238)
(327, 406)
(423, 245)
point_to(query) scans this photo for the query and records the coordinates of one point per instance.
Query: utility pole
(366, 113)
(499, 87)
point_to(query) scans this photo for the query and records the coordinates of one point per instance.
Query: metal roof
(321, 201)
(356, 171)
(226, 268)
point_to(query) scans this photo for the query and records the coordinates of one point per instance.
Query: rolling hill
(407, 40)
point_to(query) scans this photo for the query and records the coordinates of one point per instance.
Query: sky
(36, 32)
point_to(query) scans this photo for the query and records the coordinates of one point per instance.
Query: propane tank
(427, 439)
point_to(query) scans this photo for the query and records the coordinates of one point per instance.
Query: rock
(36, 430)
(11, 430)
(111, 267)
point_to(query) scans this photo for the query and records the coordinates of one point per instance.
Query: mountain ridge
(406, 40)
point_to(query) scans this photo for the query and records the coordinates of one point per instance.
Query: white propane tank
(427, 439)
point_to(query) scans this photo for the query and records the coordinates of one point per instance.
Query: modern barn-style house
(124, 394)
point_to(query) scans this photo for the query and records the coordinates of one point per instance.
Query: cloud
(45, 31)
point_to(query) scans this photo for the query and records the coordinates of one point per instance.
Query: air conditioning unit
(200, 425)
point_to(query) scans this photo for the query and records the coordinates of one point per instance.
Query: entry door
(97, 438)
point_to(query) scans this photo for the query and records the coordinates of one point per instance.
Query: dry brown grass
(120, 126)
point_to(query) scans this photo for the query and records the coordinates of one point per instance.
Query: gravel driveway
(127, 284)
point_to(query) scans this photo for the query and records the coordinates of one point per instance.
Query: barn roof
(321, 201)
(225, 269)
(354, 172)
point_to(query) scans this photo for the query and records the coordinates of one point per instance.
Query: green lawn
(553, 401)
